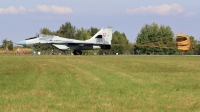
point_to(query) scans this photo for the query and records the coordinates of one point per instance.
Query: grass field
(99, 83)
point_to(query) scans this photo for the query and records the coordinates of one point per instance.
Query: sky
(21, 19)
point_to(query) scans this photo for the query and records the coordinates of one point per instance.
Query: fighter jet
(101, 40)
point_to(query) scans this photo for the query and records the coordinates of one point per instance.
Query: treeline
(151, 40)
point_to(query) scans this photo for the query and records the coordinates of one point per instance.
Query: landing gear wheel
(77, 52)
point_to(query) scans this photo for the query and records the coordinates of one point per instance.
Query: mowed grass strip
(99, 83)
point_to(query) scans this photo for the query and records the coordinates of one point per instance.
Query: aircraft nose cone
(23, 42)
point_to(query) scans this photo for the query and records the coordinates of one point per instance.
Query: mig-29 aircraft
(101, 40)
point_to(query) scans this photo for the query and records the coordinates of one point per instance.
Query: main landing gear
(77, 52)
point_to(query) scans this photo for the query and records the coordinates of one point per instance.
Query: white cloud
(54, 9)
(190, 14)
(12, 10)
(39, 8)
(163, 10)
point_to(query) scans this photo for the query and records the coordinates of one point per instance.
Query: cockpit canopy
(31, 38)
(37, 36)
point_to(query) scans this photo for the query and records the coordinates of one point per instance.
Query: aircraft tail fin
(103, 36)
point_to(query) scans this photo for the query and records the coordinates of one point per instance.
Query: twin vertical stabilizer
(104, 36)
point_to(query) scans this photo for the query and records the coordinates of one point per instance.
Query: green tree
(198, 49)
(45, 31)
(120, 43)
(81, 34)
(119, 38)
(155, 39)
(92, 31)
(67, 30)
(7, 43)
